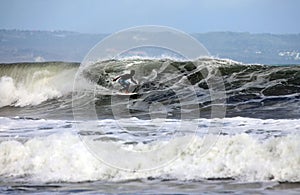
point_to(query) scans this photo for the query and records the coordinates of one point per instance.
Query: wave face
(256, 90)
(251, 90)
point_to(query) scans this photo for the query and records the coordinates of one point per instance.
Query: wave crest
(33, 83)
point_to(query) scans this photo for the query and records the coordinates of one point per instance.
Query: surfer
(123, 80)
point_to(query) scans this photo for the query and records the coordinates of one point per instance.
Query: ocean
(207, 126)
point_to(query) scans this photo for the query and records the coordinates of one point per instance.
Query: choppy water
(254, 149)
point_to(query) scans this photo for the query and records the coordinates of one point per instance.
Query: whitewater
(253, 148)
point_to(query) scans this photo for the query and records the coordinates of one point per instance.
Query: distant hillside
(17, 46)
(253, 48)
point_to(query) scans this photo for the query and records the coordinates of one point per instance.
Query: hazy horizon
(98, 16)
(108, 33)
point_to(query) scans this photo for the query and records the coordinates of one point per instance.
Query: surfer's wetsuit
(123, 80)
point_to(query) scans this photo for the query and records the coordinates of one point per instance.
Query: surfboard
(120, 93)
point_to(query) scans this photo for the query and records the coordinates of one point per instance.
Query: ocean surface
(207, 126)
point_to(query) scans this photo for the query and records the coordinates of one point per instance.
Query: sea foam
(62, 156)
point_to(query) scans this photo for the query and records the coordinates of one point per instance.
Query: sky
(191, 16)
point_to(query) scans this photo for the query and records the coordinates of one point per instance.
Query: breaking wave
(241, 153)
(26, 84)
(251, 90)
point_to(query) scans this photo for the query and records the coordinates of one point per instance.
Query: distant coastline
(39, 46)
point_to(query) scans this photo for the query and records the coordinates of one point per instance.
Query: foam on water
(247, 150)
(18, 95)
(32, 84)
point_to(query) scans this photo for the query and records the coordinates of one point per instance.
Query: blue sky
(107, 16)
